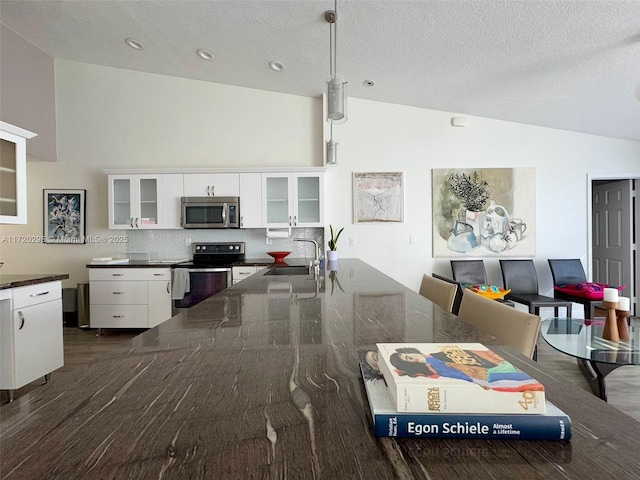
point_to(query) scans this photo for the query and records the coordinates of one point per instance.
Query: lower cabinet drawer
(35, 294)
(118, 293)
(119, 316)
(118, 274)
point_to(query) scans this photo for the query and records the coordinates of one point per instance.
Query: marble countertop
(262, 381)
(15, 280)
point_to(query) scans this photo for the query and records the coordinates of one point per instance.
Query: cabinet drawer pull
(39, 294)
(118, 316)
(168, 287)
(158, 274)
(295, 220)
(136, 222)
(208, 190)
(21, 320)
(131, 222)
(117, 274)
(118, 293)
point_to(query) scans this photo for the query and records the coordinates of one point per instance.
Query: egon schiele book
(456, 378)
(387, 422)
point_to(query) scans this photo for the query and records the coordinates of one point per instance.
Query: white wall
(112, 118)
(116, 118)
(386, 137)
(27, 92)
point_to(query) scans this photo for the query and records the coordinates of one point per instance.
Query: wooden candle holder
(610, 331)
(623, 324)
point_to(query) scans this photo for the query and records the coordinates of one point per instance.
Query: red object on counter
(278, 256)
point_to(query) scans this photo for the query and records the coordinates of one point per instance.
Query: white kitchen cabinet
(172, 191)
(129, 297)
(241, 272)
(134, 201)
(159, 297)
(251, 200)
(211, 185)
(293, 199)
(31, 343)
(13, 173)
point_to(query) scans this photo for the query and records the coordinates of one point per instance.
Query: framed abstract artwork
(484, 212)
(378, 197)
(64, 216)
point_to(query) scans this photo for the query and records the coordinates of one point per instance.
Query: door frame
(612, 176)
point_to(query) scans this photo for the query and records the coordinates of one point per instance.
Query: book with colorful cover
(456, 378)
(387, 422)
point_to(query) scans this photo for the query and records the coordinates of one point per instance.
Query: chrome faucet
(316, 255)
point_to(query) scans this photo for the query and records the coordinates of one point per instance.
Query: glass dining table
(596, 356)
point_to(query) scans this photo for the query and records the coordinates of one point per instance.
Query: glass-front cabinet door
(149, 198)
(293, 199)
(133, 201)
(13, 173)
(277, 191)
(309, 210)
(121, 206)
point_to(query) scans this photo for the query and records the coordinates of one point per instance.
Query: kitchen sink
(289, 270)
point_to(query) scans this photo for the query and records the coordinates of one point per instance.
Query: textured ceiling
(566, 64)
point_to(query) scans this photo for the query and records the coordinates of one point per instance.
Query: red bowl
(278, 256)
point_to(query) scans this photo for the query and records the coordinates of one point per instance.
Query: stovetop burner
(215, 254)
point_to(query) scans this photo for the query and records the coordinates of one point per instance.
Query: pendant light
(332, 149)
(336, 89)
(336, 84)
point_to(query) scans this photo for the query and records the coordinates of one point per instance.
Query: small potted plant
(332, 253)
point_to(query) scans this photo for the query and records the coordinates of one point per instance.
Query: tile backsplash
(173, 243)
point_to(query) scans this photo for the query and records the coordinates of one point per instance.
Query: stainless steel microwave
(210, 212)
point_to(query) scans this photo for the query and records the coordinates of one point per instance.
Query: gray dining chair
(440, 292)
(521, 278)
(469, 271)
(567, 271)
(473, 271)
(510, 326)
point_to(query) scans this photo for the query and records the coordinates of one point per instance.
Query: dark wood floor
(82, 345)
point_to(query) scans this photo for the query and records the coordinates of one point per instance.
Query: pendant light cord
(335, 39)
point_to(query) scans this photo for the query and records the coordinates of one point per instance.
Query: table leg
(595, 372)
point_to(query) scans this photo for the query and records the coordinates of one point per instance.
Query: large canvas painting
(484, 212)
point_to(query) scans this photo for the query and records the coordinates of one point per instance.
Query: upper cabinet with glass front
(13, 173)
(134, 201)
(292, 199)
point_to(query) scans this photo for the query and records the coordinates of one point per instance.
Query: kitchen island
(262, 381)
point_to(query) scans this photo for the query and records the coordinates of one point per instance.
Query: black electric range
(208, 272)
(214, 254)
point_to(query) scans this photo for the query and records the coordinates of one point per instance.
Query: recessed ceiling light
(368, 83)
(276, 66)
(205, 54)
(134, 44)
